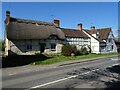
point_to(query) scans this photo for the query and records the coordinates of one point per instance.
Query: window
(112, 47)
(29, 47)
(53, 47)
(110, 40)
(53, 37)
(102, 47)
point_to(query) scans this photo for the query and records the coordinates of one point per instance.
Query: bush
(89, 49)
(84, 51)
(67, 50)
(2, 45)
(38, 54)
(78, 52)
(3, 48)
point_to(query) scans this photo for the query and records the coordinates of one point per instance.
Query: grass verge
(60, 58)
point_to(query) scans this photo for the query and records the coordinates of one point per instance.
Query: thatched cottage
(24, 36)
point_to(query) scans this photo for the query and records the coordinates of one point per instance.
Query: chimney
(56, 22)
(80, 26)
(7, 21)
(92, 27)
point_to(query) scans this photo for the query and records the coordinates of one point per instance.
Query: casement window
(109, 40)
(29, 47)
(53, 47)
(112, 47)
(102, 47)
(53, 37)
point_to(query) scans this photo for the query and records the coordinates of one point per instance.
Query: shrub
(84, 50)
(38, 54)
(78, 52)
(89, 51)
(3, 48)
(67, 50)
(2, 45)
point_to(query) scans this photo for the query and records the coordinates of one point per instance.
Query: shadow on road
(13, 61)
(113, 84)
(114, 69)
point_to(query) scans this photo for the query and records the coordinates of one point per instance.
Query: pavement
(29, 68)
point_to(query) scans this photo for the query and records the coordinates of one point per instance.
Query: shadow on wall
(17, 44)
(114, 84)
(20, 60)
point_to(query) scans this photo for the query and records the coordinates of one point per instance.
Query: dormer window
(53, 37)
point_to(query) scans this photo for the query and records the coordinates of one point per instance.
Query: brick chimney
(56, 22)
(7, 21)
(92, 27)
(80, 26)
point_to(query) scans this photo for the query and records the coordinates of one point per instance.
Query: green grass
(61, 58)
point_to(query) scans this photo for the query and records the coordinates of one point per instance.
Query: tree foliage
(67, 50)
(1, 45)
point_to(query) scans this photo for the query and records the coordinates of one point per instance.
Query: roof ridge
(98, 28)
(30, 20)
(71, 29)
(103, 28)
(20, 20)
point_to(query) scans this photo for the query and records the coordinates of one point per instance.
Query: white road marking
(115, 59)
(12, 74)
(59, 80)
(54, 67)
(54, 81)
(36, 70)
(115, 64)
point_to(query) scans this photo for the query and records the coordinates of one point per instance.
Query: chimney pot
(57, 22)
(7, 21)
(92, 27)
(80, 26)
(7, 12)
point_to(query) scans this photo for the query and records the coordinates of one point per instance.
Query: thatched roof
(32, 29)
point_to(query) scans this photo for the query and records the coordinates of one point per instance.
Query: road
(66, 76)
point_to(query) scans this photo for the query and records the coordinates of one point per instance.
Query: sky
(98, 14)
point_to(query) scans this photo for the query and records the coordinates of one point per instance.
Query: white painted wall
(95, 48)
(94, 35)
(20, 46)
(109, 45)
(78, 42)
(94, 45)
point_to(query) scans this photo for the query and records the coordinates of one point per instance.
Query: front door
(42, 47)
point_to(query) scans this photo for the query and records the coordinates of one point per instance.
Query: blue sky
(99, 14)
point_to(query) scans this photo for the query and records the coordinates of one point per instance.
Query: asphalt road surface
(80, 75)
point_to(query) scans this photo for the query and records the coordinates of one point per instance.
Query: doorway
(42, 47)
